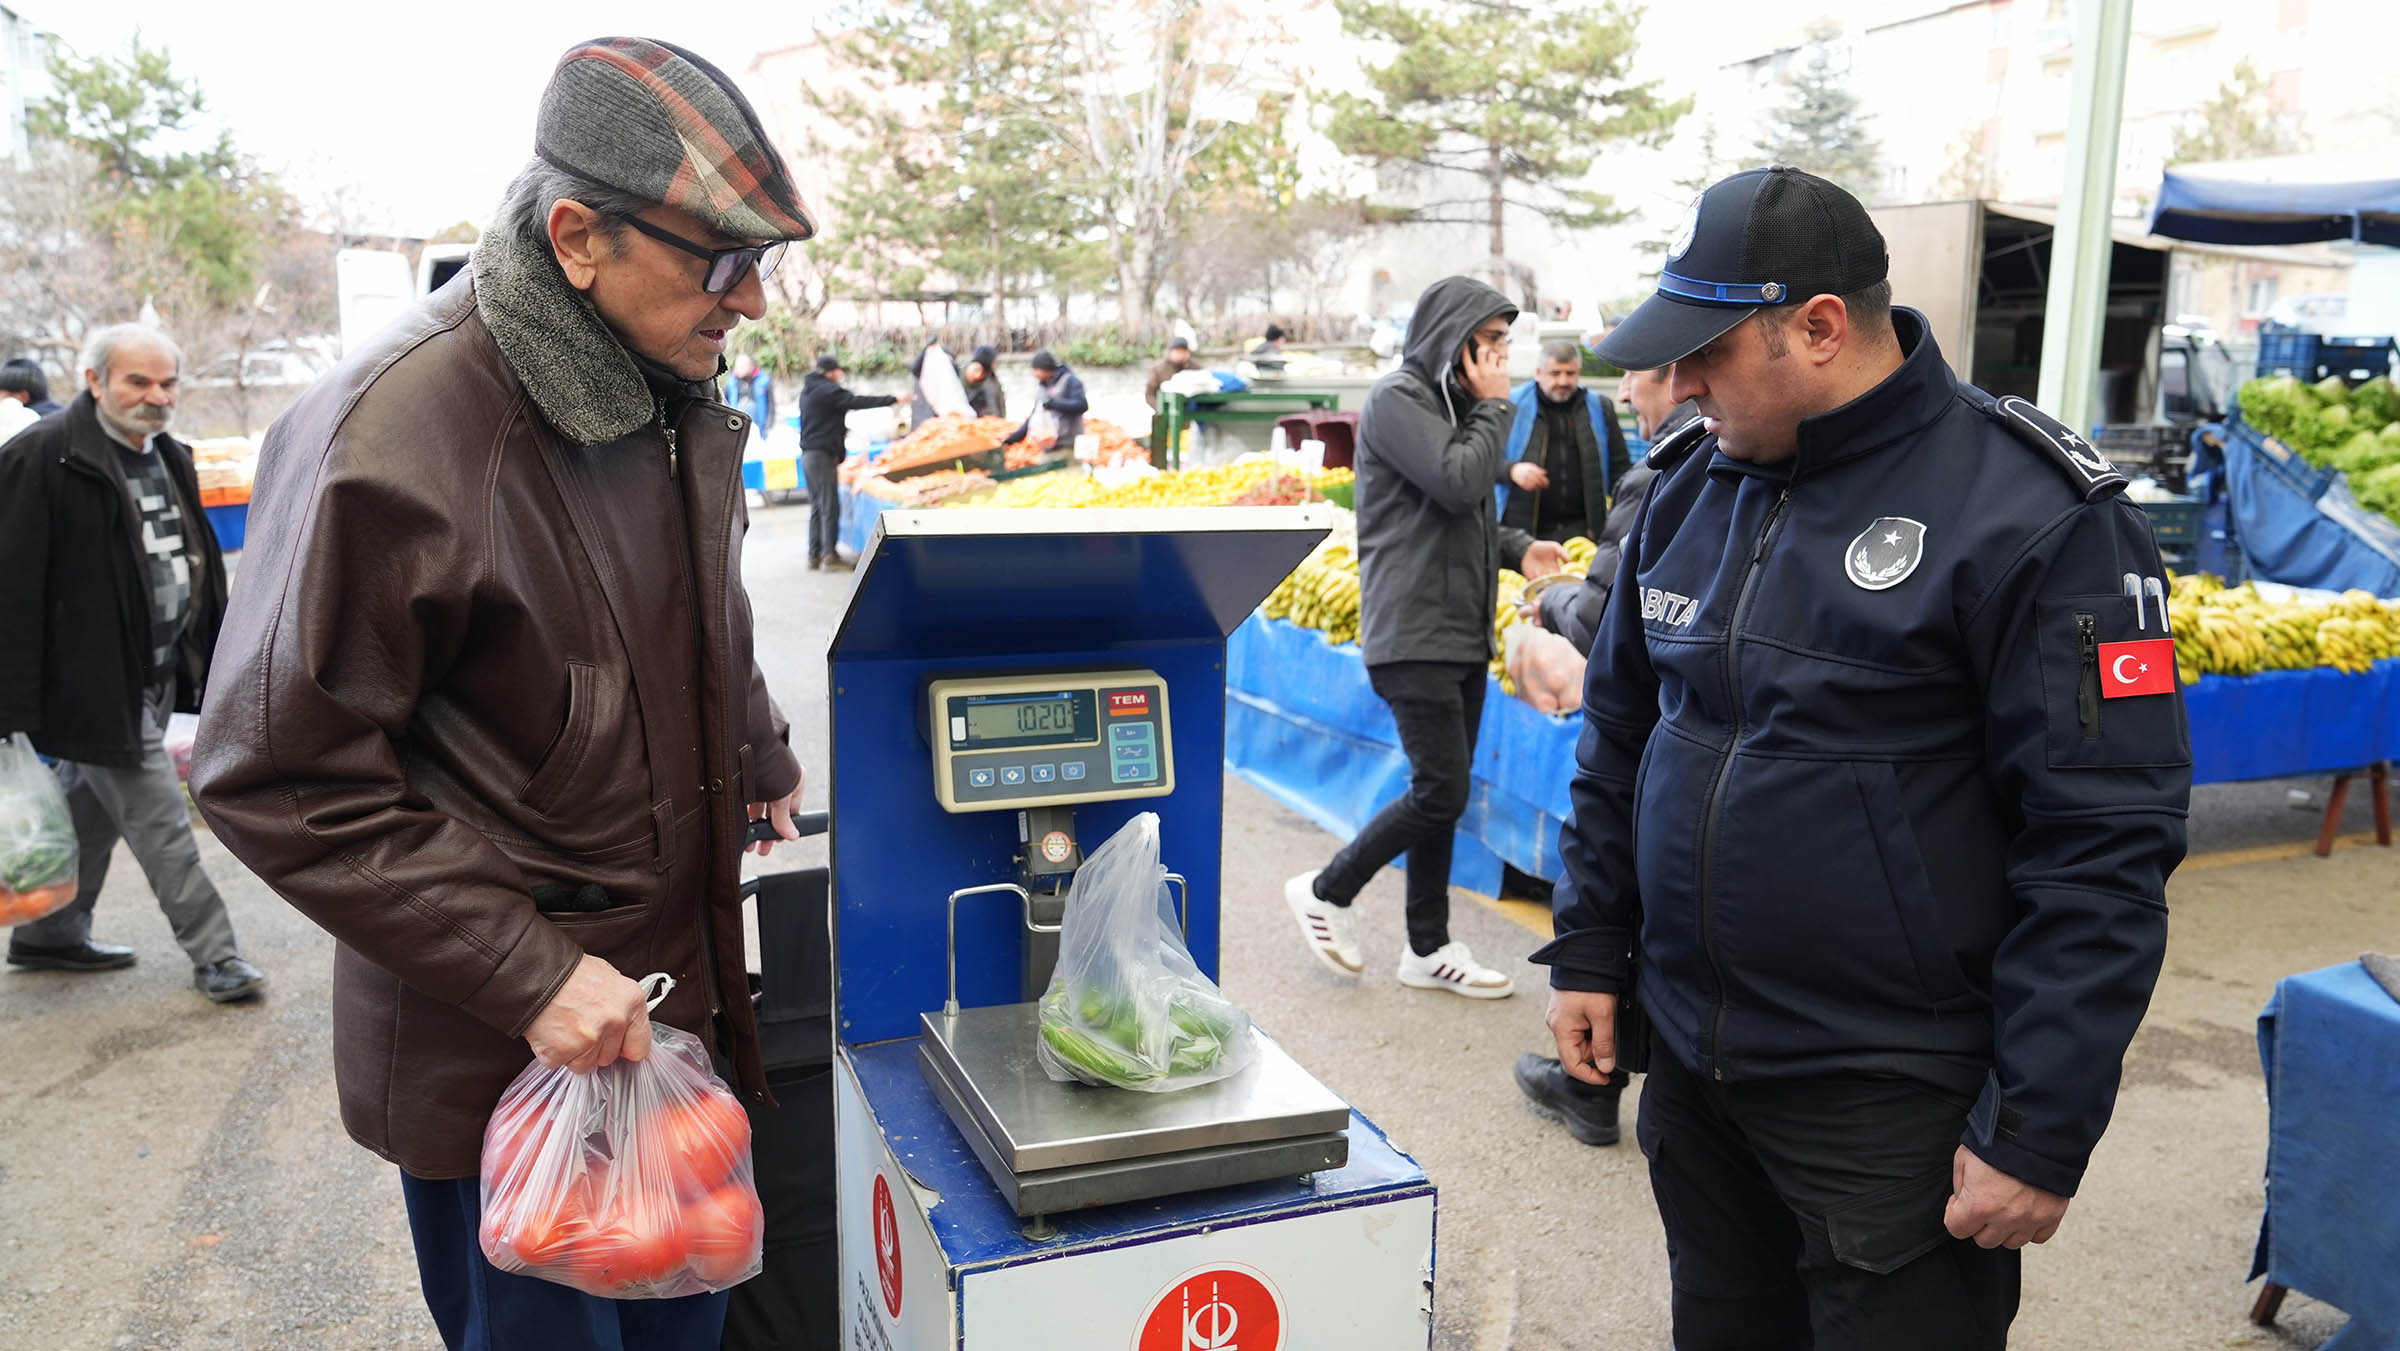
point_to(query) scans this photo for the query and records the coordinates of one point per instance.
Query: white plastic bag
(632, 1181)
(1127, 1008)
(937, 380)
(37, 837)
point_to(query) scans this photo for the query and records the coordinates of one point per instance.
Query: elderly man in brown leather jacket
(488, 709)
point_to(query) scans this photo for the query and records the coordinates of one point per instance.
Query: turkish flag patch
(2146, 667)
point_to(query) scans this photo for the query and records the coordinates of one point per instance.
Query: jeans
(145, 807)
(1439, 706)
(478, 1307)
(824, 503)
(1806, 1215)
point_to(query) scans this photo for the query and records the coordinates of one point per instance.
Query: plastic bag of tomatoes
(632, 1181)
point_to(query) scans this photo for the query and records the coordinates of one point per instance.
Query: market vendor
(1881, 779)
(825, 408)
(499, 727)
(985, 398)
(1177, 360)
(1566, 452)
(1063, 403)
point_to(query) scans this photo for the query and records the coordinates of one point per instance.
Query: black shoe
(816, 564)
(837, 563)
(1590, 1113)
(228, 980)
(84, 956)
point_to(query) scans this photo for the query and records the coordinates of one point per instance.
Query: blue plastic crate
(2286, 351)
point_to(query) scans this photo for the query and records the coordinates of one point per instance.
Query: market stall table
(1177, 411)
(1303, 723)
(2329, 1042)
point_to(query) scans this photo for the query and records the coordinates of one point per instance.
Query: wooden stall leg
(2380, 781)
(2333, 813)
(2270, 1303)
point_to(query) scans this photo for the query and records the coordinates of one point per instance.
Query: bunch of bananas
(1214, 486)
(2235, 631)
(1322, 593)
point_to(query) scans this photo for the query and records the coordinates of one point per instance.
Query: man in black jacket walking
(111, 591)
(825, 409)
(1882, 774)
(1431, 443)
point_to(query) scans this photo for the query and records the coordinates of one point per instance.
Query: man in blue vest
(1564, 451)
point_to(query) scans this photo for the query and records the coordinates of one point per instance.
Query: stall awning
(2288, 199)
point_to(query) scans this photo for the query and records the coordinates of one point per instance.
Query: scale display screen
(1048, 717)
(1013, 741)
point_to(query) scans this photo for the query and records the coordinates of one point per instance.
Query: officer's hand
(1585, 1028)
(597, 1017)
(1529, 476)
(780, 813)
(1543, 559)
(1996, 1210)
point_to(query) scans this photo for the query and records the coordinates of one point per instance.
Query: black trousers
(1806, 1215)
(824, 503)
(1439, 706)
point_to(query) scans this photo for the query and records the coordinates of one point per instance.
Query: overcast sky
(427, 112)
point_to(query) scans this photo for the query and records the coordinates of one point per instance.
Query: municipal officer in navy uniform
(1882, 774)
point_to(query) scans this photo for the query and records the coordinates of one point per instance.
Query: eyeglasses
(726, 267)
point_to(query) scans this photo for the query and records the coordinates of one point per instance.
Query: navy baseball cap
(1761, 238)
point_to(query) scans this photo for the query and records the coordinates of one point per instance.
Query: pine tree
(2237, 122)
(1819, 128)
(1517, 97)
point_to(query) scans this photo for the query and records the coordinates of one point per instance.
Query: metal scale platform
(1053, 1147)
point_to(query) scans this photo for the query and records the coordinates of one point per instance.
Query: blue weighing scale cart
(1008, 689)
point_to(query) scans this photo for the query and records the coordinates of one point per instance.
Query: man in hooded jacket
(1431, 448)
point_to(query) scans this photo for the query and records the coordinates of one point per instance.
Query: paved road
(171, 1174)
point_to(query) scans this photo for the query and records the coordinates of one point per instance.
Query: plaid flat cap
(652, 120)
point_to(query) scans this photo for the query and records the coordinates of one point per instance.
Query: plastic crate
(2286, 351)
(2176, 524)
(2355, 360)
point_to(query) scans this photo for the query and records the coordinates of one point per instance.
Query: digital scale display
(1038, 740)
(1053, 716)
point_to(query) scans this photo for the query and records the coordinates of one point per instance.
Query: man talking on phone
(1432, 446)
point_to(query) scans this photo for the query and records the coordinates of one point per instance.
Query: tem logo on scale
(1128, 703)
(1228, 1307)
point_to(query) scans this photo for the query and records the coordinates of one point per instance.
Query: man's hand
(1530, 614)
(597, 1017)
(1529, 476)
(1487, 371)
(780, 812)
(1585, 1027)
(1996, 1210)
(1543, 559)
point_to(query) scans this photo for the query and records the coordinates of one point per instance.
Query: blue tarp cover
(2330, 1044)
(2293, 199)
(1302, 723)
(2298, 524)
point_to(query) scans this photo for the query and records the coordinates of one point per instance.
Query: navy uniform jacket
(1871, 816)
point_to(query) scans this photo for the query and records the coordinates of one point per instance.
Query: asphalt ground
(172, 1173)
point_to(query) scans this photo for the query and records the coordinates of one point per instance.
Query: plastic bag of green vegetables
(37, 837)
(1127, 1008)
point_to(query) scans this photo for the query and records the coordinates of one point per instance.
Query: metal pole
(2078, 303)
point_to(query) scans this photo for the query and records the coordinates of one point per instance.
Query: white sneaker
(1451, 967)
(1330, 930)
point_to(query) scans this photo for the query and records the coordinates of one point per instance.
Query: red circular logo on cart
(1218, 1308)
(887, 1245)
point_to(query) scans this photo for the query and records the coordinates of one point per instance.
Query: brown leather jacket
(466, 657)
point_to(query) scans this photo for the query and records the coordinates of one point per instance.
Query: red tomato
(634, 1253)
(506, 1140)
(540, 1231)
(706, 1140)
(726, 1227)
